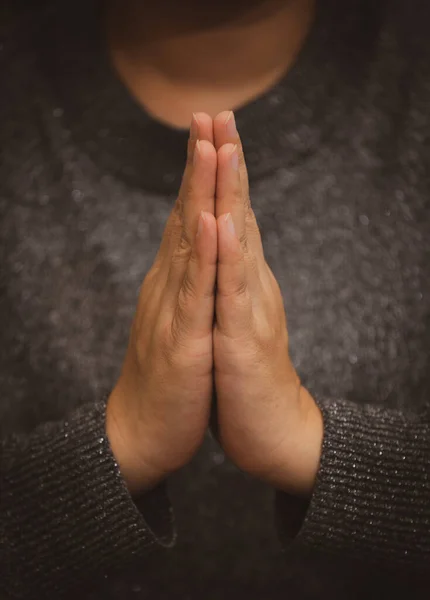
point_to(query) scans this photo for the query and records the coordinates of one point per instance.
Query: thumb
(233, 299)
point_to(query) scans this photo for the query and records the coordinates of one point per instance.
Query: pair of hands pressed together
(210, 312)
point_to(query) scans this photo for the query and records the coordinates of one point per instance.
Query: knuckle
(178, 206)
(170, 234)
(172, 341)
(187, 292)
(167, 341)
(182, 307)
(184, 245)
(180, 321)
(237, 292)
(176, 218)
(242, 290)
(176, 336)
(246, 199)
(190, 189)
(182, 251)
(243, 239)
(250, 218)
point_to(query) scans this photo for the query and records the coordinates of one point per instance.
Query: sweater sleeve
(371, 499)
(66, 514)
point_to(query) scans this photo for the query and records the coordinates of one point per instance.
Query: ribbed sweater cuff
(372, 493)
(68, 512)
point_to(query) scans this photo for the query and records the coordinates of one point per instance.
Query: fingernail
(230, 224)
(200, 226)
(194, 129)
(196, 151)
(231, 125)
(234, 157)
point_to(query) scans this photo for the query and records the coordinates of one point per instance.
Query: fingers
(230, 199)
(229, 195)
(202, 181)
(229, 188)
(195, 305)
(201, 129)
(225, 132)
(197, 190)
(190, 282)
(233, 300)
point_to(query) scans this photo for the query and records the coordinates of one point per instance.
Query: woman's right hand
(158, 411)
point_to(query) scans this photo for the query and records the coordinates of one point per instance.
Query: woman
(120, 331)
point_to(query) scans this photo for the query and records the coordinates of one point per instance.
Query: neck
(199, 50)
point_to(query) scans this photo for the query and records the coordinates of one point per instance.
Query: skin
(184, 332)
(269, 425)
(210, 311)
(158, 412)
(177, 58)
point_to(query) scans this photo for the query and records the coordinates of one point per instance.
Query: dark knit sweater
(339, 161)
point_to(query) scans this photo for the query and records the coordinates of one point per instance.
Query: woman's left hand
(269, 425)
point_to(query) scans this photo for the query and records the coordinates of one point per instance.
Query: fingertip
(220, 222)
(222, 117)
(201, 183)
(219, 128)
(203, 118)
(210, 220)
(207, 150)
(225, 151)
(204, 170)
(209, 226)
(205, 126)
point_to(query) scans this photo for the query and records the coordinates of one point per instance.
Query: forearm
(371, 497)
(65, 511)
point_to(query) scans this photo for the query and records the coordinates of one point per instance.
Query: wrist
(313, 433)
(138, 476)
(303, 449)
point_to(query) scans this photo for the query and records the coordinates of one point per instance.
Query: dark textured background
(339, 182)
